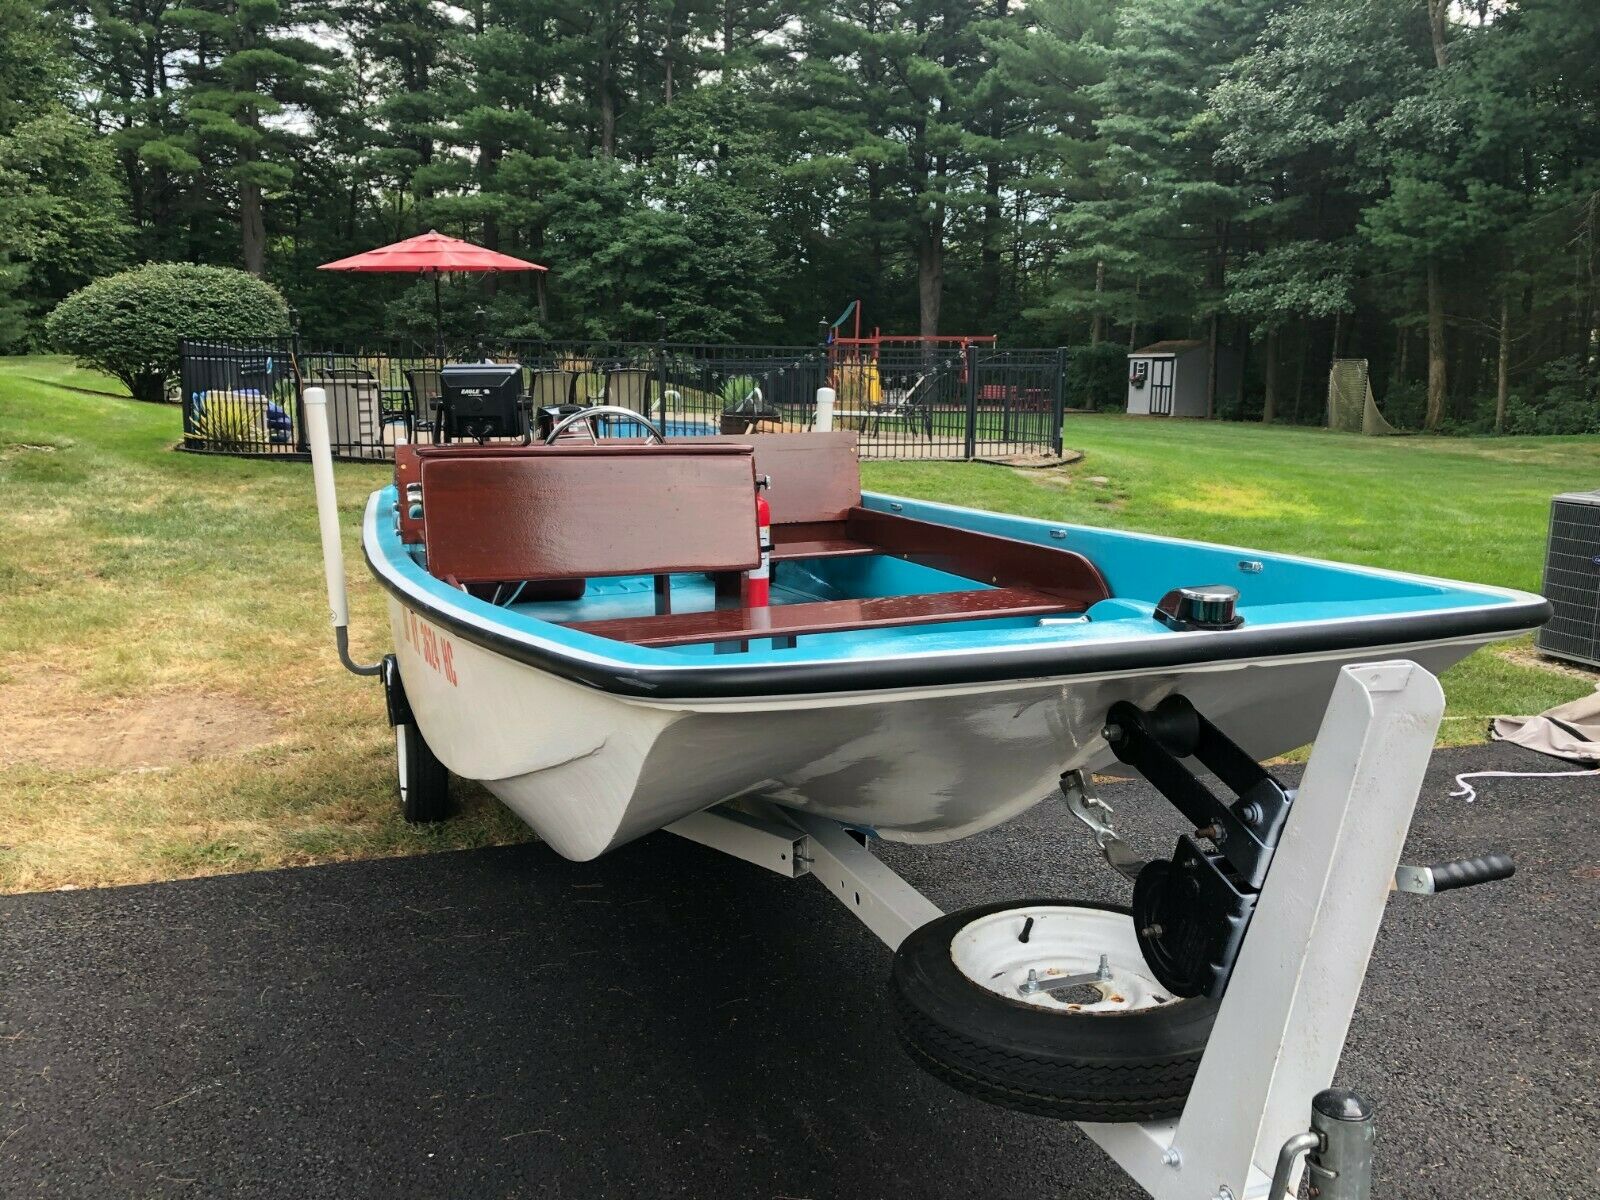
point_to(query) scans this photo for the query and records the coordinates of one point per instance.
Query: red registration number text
(434, 648)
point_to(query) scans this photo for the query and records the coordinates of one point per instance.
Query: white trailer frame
(1281, 1026)
(1282, 1022)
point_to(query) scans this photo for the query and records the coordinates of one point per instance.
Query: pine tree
(252, 67)
(63, 216)
(1168, 208)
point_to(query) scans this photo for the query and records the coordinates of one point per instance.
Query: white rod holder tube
(316, 410)
(825, 402)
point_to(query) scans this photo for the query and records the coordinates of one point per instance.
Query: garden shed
(1168, 379)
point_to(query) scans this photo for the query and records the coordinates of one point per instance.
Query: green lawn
(173, 705)
(1473, 509)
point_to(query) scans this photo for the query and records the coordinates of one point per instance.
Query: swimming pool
(674, 427)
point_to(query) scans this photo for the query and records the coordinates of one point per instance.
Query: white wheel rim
(400, 759)
(1063, 940)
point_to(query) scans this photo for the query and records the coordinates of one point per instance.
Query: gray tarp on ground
(1569, 731)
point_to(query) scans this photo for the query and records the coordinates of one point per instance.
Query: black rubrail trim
(875, 675)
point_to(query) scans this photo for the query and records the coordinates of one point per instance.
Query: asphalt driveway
(667, 1022)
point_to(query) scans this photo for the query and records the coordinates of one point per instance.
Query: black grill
(1572, 579)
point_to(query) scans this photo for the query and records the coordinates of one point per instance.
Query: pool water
(675, 427)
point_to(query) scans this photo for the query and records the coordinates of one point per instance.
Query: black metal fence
(246, 396)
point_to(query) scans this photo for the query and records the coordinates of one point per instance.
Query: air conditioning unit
(1572, 579)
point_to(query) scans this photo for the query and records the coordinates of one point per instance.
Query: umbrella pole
(438, 323)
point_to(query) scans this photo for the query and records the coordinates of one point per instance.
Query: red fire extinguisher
(758, 583)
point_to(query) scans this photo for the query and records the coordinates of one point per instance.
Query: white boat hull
(589, 770)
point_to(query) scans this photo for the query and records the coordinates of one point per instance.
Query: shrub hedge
(129, 324)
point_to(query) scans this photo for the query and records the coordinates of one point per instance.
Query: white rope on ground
(1463, 788)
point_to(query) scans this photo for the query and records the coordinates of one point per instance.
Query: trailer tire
(1136, 1064)
(422, 781)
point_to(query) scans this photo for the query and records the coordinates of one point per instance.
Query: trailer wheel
(423, 782)
(1116, 1046)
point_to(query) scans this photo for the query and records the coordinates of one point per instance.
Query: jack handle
(1447, 876)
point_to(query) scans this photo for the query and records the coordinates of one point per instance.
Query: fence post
(186, 389)
(970, 450)
(661, 367)
(1058, 401)
(1011, 374)
(302, 441)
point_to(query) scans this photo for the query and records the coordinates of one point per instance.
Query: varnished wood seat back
(816, 477)
(575, 512)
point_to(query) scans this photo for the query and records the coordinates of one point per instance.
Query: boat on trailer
(726, 637)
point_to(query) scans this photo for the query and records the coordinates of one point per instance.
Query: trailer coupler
(1338, 1149)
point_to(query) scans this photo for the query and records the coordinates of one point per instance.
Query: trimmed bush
(129, 325)
(1097, 376)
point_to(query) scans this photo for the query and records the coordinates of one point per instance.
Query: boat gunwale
(1513, 613)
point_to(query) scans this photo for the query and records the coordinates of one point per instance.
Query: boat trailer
(1283, 951)
(1261, 923)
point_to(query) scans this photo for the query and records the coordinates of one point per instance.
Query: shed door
(1161, 386)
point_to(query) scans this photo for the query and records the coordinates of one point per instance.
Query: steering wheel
(652, 431)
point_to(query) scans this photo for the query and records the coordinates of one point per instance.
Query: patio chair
(898, 404)
(629, 387)
(910, 403)
(425, 388)
(552, 387)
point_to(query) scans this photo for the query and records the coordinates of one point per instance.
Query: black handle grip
(1465, 872)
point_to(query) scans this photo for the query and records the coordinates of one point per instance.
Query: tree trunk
(1097, 326)
(608, 125)
(148, 386)
(993, 230)
(1242, 344)
(608, 104)
(669, 56)
(1438, 10)
(930, 276)
(1133, 327)
(875, 234)
(1460, 363)
(1269, 375)
(1502, 371)
(1211, 369)
(1300, 373)
(252, 229)
(1437, 376)
(929, 232)
(989, 268)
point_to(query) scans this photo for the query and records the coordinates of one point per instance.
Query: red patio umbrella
(432, 253)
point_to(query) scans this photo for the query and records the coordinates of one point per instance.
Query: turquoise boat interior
(639, 555)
